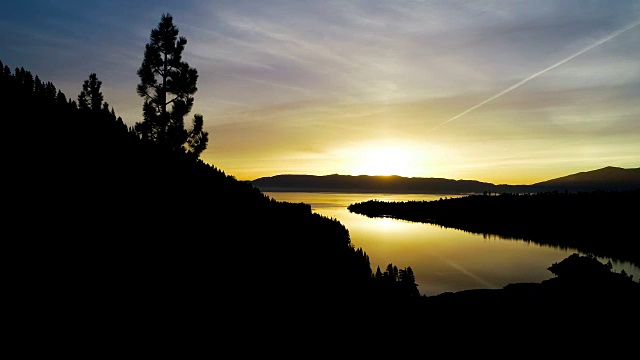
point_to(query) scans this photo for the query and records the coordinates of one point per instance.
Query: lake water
(442, 259)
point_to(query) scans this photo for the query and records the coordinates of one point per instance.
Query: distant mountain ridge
(608, 179)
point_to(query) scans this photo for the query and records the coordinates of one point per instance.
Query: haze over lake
(443, 259)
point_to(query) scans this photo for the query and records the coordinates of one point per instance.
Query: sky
(507, 92)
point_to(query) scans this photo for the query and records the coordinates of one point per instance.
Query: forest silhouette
(596, 222)
(115, 221)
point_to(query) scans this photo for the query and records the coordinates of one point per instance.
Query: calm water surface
(442, 259)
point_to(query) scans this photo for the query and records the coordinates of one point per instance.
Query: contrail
(521, 82)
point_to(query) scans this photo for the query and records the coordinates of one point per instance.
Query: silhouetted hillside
(101, 212)
(604, 179)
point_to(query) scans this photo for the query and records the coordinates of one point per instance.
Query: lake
(442, 259)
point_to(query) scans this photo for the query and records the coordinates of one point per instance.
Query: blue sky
(413, 88)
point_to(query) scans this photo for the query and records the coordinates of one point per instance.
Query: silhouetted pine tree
(90, 98)
(61, 99)
(167, 80)
(408, 282)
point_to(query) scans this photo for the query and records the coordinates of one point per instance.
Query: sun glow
(386, 160)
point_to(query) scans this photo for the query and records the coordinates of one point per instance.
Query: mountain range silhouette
(605, 179)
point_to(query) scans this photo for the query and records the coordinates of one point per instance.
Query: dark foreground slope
(110, 236)
(99, 217)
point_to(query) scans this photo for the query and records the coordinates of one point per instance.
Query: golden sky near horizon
(511, 92)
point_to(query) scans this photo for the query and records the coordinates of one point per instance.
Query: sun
(385, 161)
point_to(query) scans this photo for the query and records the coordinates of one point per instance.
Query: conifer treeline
(597, 222)
(119, 212)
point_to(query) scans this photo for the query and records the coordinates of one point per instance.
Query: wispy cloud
(533, 76)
